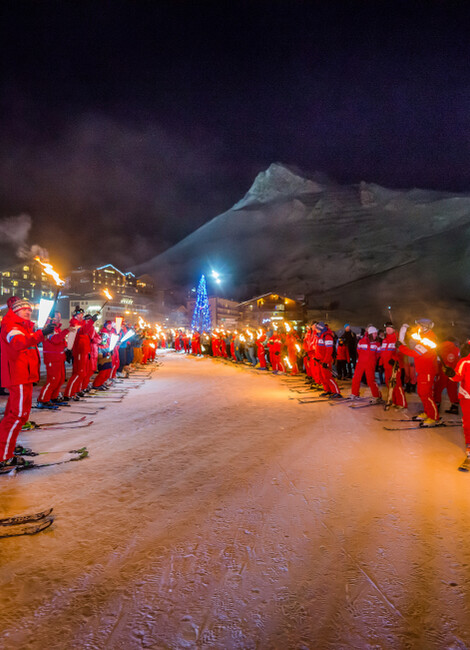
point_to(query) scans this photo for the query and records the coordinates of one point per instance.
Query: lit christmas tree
(202, 314)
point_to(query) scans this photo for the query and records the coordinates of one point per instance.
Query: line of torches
(49, 270)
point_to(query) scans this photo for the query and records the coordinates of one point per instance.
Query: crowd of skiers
(97, 356)
(408, 360)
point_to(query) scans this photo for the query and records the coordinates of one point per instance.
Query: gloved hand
(95, 317)
(68, 356)
(391, 362)
(48, 329)
(450, 372)
(325, 365)
(402, 334)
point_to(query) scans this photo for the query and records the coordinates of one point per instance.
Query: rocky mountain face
(347, 249)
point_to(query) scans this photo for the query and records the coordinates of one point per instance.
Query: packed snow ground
(215, 512)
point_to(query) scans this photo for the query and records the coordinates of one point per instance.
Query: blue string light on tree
(202, 321)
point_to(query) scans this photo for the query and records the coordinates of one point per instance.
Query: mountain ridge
(316, 237)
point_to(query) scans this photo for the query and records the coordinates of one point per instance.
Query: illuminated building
(26, 280)
(132, 297)
(270, 307)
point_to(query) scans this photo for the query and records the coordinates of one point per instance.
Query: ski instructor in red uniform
(20, 369)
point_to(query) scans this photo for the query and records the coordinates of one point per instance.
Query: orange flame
(425, 341)
(107, 294)
(49, 270)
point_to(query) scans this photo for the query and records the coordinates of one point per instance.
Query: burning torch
(109, 297)
(48, 307)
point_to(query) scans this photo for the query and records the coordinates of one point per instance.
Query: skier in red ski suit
(260, 340)
(422, 347)
(343, 359)
(81, 370)
(388, 356)
(306, 358)
(54, 360)
(449, 354)
(104, 356)
(324, 359)
(292, 343)
(367, 355)
(20, 369)
(275, 347)
(462, 374)
(196, 344)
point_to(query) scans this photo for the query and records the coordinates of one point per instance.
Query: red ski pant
(465, 406)
(316, 371)
(424, 388)
(55, 371)
(261, 357)
(369, 369)
(101, 377)
(80, 376)
(145, 355)
(443, 382)
(398, 394)
(276, 363)
(307, 366)
(16, 414)
(87, 378)
(328, 383)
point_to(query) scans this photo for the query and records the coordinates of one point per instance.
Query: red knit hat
(16, 304)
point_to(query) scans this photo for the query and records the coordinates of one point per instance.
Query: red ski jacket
(20, 356)
(449, 353)
(342, 352)
(82, 343)
(425, 357)
(388, 350)
(325, 347)
(54, 346)
(463, 376)
(368, 351)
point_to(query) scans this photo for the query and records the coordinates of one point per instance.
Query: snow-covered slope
(334, 244)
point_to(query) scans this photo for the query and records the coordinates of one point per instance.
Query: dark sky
(126, 125)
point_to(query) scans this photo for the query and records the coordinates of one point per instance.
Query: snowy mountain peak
(277, 181)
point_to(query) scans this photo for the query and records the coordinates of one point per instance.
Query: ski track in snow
(213, 512)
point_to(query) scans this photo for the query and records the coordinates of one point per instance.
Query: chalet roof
(265, 295)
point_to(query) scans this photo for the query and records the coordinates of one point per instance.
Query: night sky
(126, 125)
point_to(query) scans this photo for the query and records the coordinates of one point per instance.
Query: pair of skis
(78, 454)
(26, 524)
(78, 423)
(418, 424)
(334, 401)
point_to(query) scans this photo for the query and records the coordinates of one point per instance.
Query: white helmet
(372, 330)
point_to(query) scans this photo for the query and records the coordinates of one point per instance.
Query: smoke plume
(14, 232)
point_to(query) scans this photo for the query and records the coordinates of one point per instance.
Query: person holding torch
(421, 345)
(54, 360)
(20, 370)
(462, 374)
